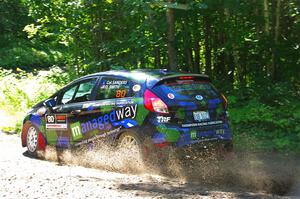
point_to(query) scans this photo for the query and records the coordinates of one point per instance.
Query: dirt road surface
(25, 177)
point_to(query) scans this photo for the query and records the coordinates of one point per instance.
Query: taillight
(225, 101)
(154, 103)
(186, 77)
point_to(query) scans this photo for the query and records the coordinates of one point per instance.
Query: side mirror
(50, 103)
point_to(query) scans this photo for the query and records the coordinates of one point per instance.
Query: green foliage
(25, 55)
(21, 90)
(267, 126)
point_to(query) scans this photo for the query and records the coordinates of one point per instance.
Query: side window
(68, 95)
(84, 91)
(114, 87)
(78, 93)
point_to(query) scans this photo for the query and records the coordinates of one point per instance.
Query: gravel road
(25, 177)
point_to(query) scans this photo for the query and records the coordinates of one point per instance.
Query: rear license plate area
(201, 116)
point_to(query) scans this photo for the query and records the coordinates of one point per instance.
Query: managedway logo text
(102, 120)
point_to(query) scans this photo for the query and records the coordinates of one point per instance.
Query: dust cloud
(104, 157)
(245, 171)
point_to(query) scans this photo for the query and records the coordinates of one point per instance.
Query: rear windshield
(191, 88)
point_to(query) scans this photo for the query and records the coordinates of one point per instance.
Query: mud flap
(41, 142)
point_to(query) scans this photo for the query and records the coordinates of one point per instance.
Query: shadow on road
(189, 190)
(246, 174)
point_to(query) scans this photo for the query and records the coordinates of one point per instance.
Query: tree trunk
(197, 57)
(240, 69)
(276, 36)
(231, 67)
(171, 38)
(267, 17)
(189, 59)
(219, 69)
(157, 57)
(207, 46)
(257, 18)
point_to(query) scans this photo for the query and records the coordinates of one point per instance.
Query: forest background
(249, 48)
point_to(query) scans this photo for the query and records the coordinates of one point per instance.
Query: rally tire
(32, 140)
(131, 141)
(129, 137)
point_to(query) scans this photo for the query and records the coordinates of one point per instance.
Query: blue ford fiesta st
(146, 109)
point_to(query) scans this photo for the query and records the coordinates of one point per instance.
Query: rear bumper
(200, 135)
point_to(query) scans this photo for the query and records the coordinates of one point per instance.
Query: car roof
(149, 76)
(143, 75)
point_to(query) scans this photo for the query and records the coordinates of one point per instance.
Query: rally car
(130, 108)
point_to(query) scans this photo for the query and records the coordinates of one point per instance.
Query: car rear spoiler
(201, 77)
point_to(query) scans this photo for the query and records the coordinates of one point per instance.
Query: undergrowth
(21, 90)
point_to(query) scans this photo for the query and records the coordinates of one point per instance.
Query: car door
(63, 124)
(114, 107)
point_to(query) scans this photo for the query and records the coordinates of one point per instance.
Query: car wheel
(32, 140)
(130, 143)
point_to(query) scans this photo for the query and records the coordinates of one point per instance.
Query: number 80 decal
(50, 119)
(121, 93)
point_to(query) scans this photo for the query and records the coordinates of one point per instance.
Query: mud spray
(101, 157)
(270, 173)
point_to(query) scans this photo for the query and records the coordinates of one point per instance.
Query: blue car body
(169, 108)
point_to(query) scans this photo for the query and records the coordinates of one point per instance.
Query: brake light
(225, 101)
(186, 77)
(154, 103)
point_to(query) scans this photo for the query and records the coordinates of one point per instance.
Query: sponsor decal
(99, 136)
(220, 131)
(193, 135)
(76, 131)
(61, 118)
(136, 88)
(171, 96)
(94, 105)
(202, 124)
(170, 134)
(126, 112)
(124, 102)
(56, 121)
(56, 126)
(199, 97)
(162, 119)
